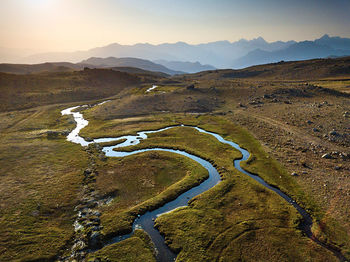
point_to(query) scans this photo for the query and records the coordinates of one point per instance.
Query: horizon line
(163, 43)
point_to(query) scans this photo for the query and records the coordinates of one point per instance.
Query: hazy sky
(64, 25)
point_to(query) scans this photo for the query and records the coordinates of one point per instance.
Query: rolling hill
(26, 91)
(128, 62)
(185, 66)
(294, 70)
(132, 65)
(39, 68)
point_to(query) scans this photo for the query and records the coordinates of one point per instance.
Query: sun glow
(39, 3)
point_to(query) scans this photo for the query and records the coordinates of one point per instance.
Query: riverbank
(108, 151)
(269, 168)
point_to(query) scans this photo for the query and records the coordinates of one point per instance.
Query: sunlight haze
(65, 25)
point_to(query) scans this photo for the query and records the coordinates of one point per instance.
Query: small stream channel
(146, 221)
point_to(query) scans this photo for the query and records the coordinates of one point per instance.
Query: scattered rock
(102, 156)
(190, 87)
(78, 246)
(327, 156)
(53, 134)
(96, 213)
(335, 153)
(334, 133)
(87, 171)
(95, 240)
(255, 102)
(35, 213)
(343, 155)
(306, 165)
(213, 89)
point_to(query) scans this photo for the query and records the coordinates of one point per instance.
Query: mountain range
(320, 48)
(183, 57)
(126, 64)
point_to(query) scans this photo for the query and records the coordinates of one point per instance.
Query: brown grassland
(288, 115)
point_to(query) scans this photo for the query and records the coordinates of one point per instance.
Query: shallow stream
(146, 221)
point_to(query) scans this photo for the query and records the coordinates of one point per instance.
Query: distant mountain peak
(189, 67)
(259, 39)
(325, 37)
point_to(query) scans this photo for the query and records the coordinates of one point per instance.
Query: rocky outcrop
(87, 225)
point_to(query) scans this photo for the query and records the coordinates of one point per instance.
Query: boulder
(78, 246)
(327, 156)
(52, 134)
(190, 87)
(87, 171)
(334, 133)
(213, 89)
(95, 240)
(344, 155)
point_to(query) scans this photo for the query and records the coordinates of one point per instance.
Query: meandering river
(146, 221)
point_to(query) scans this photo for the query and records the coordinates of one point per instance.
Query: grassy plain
(138, 248)
(27, 91)
(291, 113)
(213, 205)
(143, 182)
(42, 179)
(39, 185)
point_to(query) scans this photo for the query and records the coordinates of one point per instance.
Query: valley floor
(298, 134)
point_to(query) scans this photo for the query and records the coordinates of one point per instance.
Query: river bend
(146, 221)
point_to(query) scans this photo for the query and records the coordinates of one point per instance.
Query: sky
(69, 25)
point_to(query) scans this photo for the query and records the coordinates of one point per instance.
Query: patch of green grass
(272, 172)
(238, 220)
(39, 182)
(124, 126)
(136, 248)
(160, 89)
(260, 162)
(143, 182)
(339, 85)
